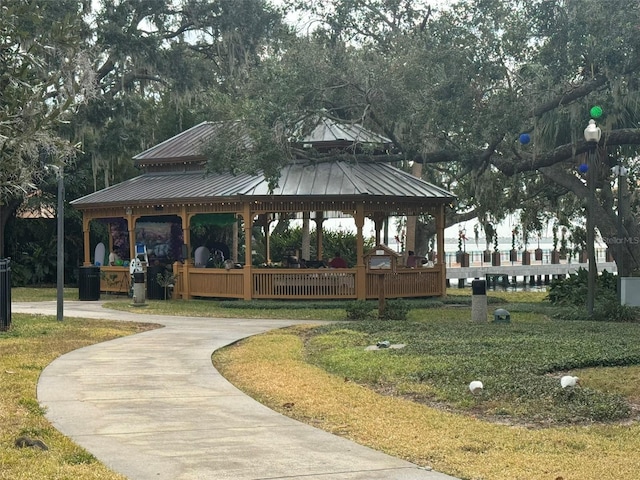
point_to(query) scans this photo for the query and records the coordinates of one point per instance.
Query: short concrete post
(479, 301)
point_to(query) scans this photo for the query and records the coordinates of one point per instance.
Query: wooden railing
(422, 282)
(287, 283)
(216, 282)
(307, 283)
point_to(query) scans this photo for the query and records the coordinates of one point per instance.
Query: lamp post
(592, 136)
(60, 242)
(620, 171)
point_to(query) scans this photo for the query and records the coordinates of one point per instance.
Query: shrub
(573, 290)
(359, 310)
(571, 294)
(395, 310)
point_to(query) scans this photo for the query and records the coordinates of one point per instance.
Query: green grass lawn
(44, 294)
(519, 363)
(412, 402)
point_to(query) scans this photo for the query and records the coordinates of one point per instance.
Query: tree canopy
(454, 87)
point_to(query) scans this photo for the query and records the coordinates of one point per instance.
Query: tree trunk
(416, 171)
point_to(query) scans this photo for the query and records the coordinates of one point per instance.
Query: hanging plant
(488, 234)
(563, 242)
(462, 240)
(514, 236)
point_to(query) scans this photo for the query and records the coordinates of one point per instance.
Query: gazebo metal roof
(188, 145)
(328, 179)
(344, 179)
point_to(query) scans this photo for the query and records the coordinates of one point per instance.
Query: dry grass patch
(31, 344)
(271, 368)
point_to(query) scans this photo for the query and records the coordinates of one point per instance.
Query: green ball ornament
(596, 112)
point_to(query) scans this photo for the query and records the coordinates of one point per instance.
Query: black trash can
(89, 283)
(154, 290)
(5, 294)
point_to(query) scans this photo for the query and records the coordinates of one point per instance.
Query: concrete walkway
(151, 406)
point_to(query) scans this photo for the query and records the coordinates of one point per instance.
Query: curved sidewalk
(151, 406)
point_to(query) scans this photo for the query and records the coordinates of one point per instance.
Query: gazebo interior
(158, 211)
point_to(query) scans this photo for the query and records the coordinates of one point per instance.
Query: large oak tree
(456, 88)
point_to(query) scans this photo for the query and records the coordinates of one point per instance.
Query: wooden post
(234, 247)
(319, 219)
(186, 284)
(178, 283)
(378, 222)
(440, 222)
(412, 220)
(248, 257)
(361, 280)
(131, 221)
(305, 247)
(186, 238)
(186, 231)
(85, 235)
(381, 294)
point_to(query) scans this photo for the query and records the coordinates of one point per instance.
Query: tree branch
(571, 96)
(626, 136)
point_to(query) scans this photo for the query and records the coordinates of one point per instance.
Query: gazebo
(176, 191)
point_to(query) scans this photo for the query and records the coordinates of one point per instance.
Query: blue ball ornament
(524, 138)
(583, 168)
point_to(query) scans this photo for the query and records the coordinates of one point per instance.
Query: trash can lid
(501, 311)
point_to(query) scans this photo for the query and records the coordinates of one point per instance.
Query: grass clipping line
(272, 370)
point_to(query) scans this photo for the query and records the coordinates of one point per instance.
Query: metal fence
(5, 294)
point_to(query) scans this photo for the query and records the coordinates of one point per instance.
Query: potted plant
(538, 251)
(464, 260)
(488, 237)
(579, 239)
(462, 256)
(555, 255)
(495, 256)
(513, 254)
(563, 244)
(526, 254)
